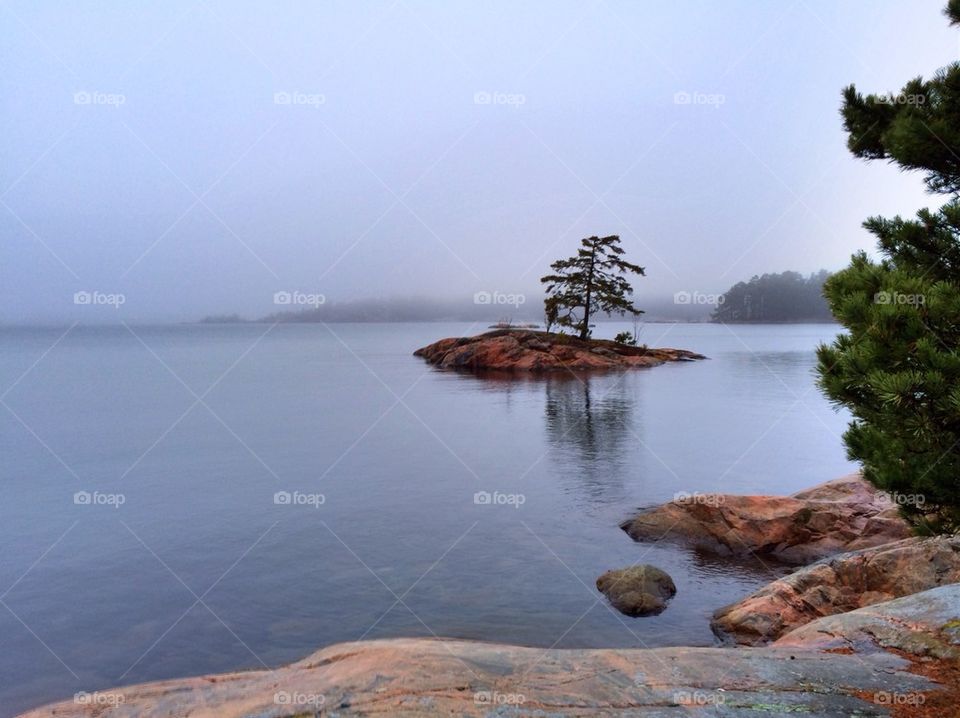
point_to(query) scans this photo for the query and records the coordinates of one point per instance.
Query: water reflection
(591, 427)
(593, 423)
(789, 363)
(761, 568)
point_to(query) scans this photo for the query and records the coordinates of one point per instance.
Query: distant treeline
(440, 310)
(477, 308)
(784, 297)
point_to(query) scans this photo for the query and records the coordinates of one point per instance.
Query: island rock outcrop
(525, 350)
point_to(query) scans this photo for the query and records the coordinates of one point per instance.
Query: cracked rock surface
(839, 584)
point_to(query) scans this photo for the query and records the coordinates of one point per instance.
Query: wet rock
(638, 590)
(841, 515)
(838, 584)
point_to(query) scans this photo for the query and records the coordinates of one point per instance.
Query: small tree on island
(589, 282)
(897, 369)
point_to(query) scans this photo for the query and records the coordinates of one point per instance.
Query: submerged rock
(638, 590)
(513, 349)
(839, 666)
(845, 514)
(839, 584)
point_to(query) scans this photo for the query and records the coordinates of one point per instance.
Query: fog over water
(199, 157)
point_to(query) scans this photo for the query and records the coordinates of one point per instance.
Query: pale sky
(197, 157)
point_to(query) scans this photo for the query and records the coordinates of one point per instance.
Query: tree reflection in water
(592, 428)
(590, 423)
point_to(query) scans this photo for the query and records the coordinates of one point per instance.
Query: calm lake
(178, 555)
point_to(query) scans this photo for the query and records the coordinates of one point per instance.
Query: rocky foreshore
(525, 350)
(885, 660)
(870, 629)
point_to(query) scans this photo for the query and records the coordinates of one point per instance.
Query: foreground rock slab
(426, 677)
(525, 350)
(845, 514)
(838, 584)
(863, 663)
(638, 590)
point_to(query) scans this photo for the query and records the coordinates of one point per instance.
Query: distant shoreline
(488, 323)
(481, 323)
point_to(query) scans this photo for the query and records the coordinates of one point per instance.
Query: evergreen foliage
(898, 368)
(784, 297)
(589, 282)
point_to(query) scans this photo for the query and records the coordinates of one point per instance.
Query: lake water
(183, 563)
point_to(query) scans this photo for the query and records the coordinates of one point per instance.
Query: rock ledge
(840, 584)
(845, 514)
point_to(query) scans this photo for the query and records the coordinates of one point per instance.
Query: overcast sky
(199, 156)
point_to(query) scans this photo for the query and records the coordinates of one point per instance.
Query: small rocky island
(526, 350)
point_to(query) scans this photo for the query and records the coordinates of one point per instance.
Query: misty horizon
(198, 159)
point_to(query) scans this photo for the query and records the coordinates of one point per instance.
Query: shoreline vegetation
(845, 635)
(775, 298)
